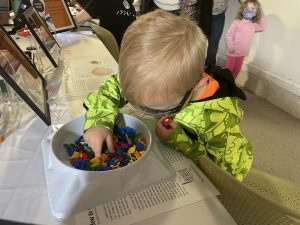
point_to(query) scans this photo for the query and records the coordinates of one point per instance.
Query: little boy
(161, 68)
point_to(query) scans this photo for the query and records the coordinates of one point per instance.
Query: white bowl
(71, 131)
(71, 190)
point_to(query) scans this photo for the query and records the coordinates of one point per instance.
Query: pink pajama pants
(234, 64)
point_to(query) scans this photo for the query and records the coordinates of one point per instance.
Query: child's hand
(162, 131)
(96, 136)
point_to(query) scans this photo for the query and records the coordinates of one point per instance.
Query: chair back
(258, 200)
(107, 39)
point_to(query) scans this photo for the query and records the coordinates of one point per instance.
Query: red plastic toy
(167, 122)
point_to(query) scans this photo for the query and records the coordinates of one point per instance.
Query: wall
(271, 69)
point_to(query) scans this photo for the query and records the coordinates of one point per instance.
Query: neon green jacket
(207, 127)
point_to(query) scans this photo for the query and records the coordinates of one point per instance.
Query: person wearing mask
(239, 37)
(200, 10)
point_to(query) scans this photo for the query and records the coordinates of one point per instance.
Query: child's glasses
(167, 112)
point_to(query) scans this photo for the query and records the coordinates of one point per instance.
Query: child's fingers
(167, 123)
(162, 131)
(159, 123)
(97, 147)
(110, 143)
(172, 124)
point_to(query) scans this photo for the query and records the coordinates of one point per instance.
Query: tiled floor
(275, 136)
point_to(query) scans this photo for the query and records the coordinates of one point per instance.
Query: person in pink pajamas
(239, 36)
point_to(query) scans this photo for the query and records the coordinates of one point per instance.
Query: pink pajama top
(239, 36)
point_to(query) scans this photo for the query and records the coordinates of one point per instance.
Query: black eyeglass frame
(167, 112)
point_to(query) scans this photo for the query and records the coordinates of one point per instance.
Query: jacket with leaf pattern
(208, 127)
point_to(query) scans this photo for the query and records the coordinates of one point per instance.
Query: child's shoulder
(219, 108)
(223, 104)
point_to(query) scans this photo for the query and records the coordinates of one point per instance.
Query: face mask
(248, 14)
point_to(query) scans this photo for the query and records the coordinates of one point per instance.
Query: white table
(23, 193)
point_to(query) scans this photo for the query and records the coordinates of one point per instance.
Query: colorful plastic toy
(129, 146)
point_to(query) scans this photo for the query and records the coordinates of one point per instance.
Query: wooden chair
(107, 39)
(261, 199)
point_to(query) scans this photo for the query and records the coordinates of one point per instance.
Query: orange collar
(212, 86)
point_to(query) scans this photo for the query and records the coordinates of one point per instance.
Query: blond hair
(259, 11)
(162, 56)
